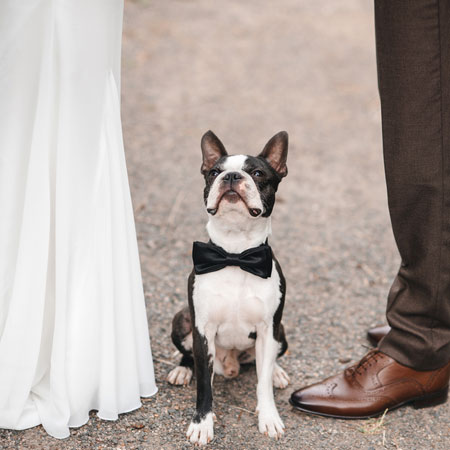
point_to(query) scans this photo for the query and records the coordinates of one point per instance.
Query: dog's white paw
(270, 423)
(203, 432)
(280, 378)
(180, 375)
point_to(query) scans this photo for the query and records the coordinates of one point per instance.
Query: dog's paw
(202, 433)
(180, 376)
(270, 424)
(280, 378)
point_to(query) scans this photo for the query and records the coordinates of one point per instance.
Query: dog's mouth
(233, 196)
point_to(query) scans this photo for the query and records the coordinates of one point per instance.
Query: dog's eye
(213, 173)
(258, 173)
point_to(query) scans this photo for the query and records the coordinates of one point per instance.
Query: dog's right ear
(212, 150)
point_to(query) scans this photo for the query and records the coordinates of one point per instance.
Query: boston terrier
(236, 290)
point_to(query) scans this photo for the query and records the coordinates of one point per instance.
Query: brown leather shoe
(377, 333)
(370, 387)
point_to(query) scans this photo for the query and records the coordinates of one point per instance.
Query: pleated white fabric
(73, 327)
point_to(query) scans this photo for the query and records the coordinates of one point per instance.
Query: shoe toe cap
(311, 396)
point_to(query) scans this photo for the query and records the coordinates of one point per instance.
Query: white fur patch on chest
(230, 303)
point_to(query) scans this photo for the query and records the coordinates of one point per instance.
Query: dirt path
(247, 69)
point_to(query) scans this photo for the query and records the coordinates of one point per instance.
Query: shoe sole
(425, 401)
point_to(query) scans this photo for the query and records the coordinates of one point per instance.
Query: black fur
(209, 178)
(202, 362)
(203, 372)
(267, 184)
(181, 328)
(282, 340)
(278, 329)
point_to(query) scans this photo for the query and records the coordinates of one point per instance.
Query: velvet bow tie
(209, 257)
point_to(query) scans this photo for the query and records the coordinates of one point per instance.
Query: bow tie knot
(208, 257)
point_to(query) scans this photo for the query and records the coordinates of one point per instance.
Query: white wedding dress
(73, 326)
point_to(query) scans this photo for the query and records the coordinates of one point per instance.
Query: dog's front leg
(201, 429)
(269, 420)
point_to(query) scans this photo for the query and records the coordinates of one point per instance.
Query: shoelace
(365, 362)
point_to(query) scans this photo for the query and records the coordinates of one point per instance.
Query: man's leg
(413, 58)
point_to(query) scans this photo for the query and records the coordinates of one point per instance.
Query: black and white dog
(237, 289)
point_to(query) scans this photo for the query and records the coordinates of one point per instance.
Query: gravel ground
(247, 70)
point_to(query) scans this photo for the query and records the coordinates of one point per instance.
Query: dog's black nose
(232, 176)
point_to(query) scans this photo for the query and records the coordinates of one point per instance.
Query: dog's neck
(236, 235)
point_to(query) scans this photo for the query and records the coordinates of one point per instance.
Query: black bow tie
(210, 258)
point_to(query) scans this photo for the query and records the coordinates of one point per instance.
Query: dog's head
(240, 183)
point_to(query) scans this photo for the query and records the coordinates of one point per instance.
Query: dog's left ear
(275, 152)
(212, 150)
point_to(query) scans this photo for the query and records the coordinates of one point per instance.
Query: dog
(237, 290)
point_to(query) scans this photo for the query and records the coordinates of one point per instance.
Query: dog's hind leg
(182, 339)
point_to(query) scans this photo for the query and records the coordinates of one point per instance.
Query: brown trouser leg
(413, 56)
